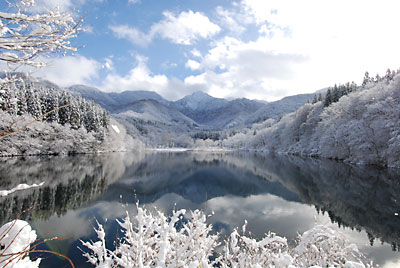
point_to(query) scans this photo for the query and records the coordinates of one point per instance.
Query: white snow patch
(19, 187)
(16, 237)
(116, 129)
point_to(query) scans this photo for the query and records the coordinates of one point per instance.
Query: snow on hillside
(198, 101)
(154, 111)
(33, 111)
(362, 127)
(112, 101)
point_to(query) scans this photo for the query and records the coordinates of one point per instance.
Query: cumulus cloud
(138, 78)
(64, 72)
(196, 53)
(183, 29)
(300, 47)
(193, 65)
(245, 69)
(229, 19)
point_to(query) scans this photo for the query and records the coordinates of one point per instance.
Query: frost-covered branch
(25, 35)
(154, 240)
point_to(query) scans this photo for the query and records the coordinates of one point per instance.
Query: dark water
(282, 194)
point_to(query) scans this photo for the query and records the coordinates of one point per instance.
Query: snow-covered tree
(184, 240)
(362, 126)
(26, 34)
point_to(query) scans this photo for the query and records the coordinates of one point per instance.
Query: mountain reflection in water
(273, 192)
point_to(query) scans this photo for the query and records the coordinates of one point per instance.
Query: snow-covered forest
(355, 124)
(79, 126)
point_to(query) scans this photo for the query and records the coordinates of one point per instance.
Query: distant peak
(199, 93)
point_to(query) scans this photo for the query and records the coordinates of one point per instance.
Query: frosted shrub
(16, 238)
(321, 246)
(153, 240)
(241, 251)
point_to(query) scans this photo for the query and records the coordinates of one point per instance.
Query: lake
(277, 193)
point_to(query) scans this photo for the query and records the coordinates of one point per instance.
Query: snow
(154, 240)
(15, 240)
(19, 187)
(361, 128)
(116, 129)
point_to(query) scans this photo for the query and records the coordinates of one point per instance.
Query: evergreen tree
(315, 99)
(328, 98)
(64, 113)
(32, 101)
(75, 115)
(366, 79)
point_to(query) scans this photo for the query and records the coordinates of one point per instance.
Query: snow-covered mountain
(278, 108)
(198, 102)
(155, 112)
(155, 123)
(203, 109)
(214, 112)
(114, 101)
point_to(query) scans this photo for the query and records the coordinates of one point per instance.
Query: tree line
(333, 94)
(22, 97)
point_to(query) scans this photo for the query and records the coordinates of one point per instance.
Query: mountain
(153, 111)
(99, 97)
(202, 109)
(220, 113)
(198, 102)
(155, 123)
(113, 101)
(278, 108)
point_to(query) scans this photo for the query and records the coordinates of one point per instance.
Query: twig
(4, 131)
(37, 119)
(53, 252)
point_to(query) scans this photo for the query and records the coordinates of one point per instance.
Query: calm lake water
(282, 194)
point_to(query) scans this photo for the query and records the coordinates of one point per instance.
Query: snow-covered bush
(16, 238)
(154, 240)
(361, 127)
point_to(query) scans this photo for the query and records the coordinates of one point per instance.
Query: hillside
(31, 108)
(155, 123)
(362, 127)
(113, 101)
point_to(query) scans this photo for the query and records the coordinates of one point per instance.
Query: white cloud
(108, 64)
(245, 69)
(196, 53)
(69, 70)
(183, 29)
(193, 65)
(302, 46)
(139, 78)
(342, 39)
(229, 20)
(134, 35)
(133, 1)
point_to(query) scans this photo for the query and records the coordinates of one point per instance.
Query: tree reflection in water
(362, 198)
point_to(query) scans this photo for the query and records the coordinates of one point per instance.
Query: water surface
(282, 194)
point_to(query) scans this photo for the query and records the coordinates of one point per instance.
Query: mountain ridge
(205, 110)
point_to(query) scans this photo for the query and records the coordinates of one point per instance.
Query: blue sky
(257, 49)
